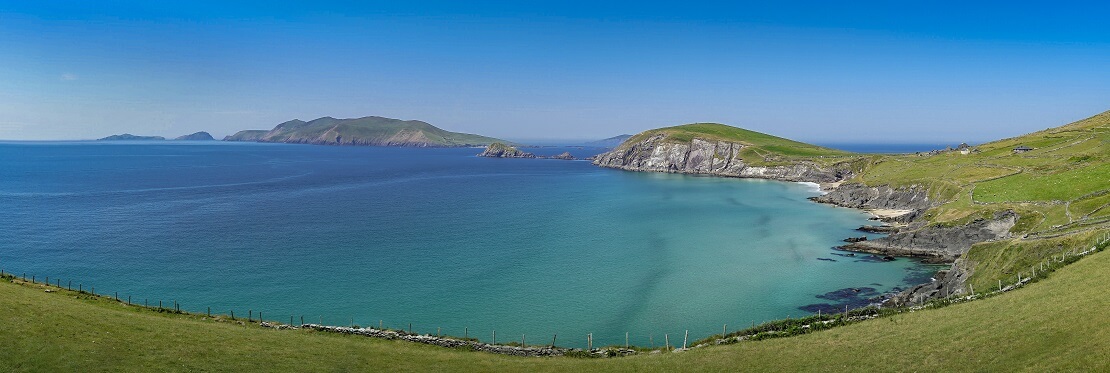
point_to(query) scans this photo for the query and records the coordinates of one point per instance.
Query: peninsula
(991, 210)
(369, 131)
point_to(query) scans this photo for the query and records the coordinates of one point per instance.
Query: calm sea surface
(433, 237)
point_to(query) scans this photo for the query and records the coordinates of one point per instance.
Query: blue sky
(819, 71)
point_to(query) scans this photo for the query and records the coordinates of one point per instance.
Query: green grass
(1055, 324)
(1061, 186)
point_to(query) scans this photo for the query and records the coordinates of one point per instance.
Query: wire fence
(765, 330)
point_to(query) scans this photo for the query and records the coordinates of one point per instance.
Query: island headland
(367, 131)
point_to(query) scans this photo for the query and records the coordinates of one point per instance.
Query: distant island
(130, 137)
(611, 142)
(199, 136)
(369, 131)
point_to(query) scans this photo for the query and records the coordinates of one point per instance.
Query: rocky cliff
(854, 195)
(499, 150)
(711, 157)
(939, 244)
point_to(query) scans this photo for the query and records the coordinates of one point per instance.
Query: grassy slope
(761, 148)
(1056, 324)
(371, 128)
(1061, 187)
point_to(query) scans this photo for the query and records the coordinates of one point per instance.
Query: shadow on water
(647, 286)
(851, 297)
(864, 296)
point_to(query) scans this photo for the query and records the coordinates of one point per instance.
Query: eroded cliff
(710, 157)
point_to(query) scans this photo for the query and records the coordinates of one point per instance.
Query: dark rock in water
(827, 259)
(855, 239)
(888, 258)
(877, 229)
(499, 150)
(850, 297)
(565, 156)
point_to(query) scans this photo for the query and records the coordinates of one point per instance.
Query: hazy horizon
(811, 71)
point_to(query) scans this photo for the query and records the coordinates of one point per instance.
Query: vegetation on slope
(757, 141)
(1055, 324)
(1060, 189)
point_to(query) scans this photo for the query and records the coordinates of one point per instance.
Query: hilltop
(374, 131)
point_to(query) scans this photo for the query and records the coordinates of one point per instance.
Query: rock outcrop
(499, 150)
(565, 156)
(707, 157)
(860, 196)
(939, 244)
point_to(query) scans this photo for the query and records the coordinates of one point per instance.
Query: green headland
(375, 131)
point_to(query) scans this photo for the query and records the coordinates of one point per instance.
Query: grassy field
(1056, 324)
(1061, 187)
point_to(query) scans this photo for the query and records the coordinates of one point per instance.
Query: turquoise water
(433, 237)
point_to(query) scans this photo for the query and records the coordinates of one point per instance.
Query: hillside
(374, 131)
(1052, 325)
(1060, 191)
(991, 210)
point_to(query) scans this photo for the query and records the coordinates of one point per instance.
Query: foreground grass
(1056, 324)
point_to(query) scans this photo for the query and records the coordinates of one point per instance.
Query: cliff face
(859, 196)
(700, 156)
(940, 244)
(882, 197)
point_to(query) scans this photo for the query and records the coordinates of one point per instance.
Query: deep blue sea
(437, 238)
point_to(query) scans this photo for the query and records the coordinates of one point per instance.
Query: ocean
(436, 238)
